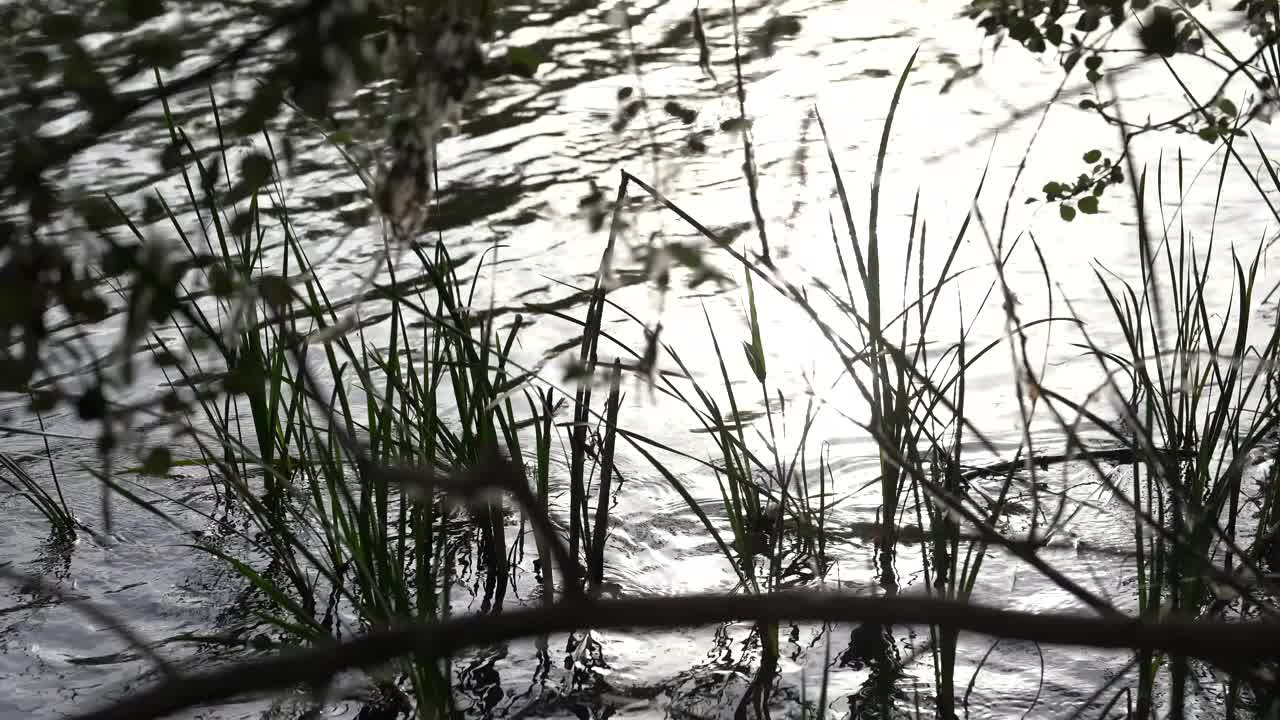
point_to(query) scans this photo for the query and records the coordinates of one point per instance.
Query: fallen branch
(1044, 460)
(1233, 646)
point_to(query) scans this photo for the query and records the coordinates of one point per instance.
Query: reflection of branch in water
(97, 614)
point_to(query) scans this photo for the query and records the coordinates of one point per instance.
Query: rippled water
(514, 177)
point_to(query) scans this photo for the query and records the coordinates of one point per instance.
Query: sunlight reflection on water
(541, 141)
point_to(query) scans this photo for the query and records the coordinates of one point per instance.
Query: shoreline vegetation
(365, 443)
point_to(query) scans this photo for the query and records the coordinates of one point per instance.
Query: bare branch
(1233, 646)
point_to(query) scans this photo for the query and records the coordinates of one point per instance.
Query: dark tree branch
(1233, 646)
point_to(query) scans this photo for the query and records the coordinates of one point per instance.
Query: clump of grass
(1198, 406)
(346, 547)
(52, 506)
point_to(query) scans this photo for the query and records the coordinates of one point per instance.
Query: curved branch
(1230, 645)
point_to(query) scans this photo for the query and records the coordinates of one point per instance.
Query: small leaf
(274, 289)
(704, 49)
(15, 373)
(82, 77)
(1088, 21)
(221, 282)
(1088, 205)
(36, 62)
(119, 259)
(172, 403)
(158, 462)
(1067, 212)
(689, 256)
(1093, 156)
(676, 110)
(43, 401)
(98, 213)
(245, 377)
(62, 26)
(161, 50)
(1070, 60)
(172, 157)
(1227, 107)
(262, 106)
(165, 358)
(92, 405)
(523, 61)
(1053, 33)
(255, 170)
(242, 223)
(1159, 34)
(153, 210)
(755, 348)
(141, 10)
(755, 360)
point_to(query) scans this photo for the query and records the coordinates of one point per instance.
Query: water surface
(513, 178)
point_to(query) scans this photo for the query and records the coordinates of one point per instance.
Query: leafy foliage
(326, 48)
(1040, 25)
(1084, 192)
(1087, 29)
